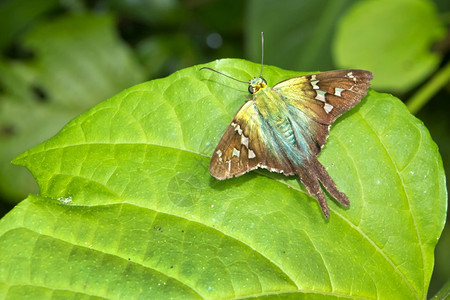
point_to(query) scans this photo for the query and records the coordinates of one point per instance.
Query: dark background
(59, 58)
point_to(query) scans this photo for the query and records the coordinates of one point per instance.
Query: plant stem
(421, 97)
(443, 293)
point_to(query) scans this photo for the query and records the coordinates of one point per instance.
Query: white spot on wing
(351, 76)
(237, 128)
(338, 91)
(251, 154)
(327, 107)
(236, 152)
(320, 95)
(314, 84)
(244, 140)
(219, 153)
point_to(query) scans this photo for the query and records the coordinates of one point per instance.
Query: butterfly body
(287, 128)
(284, 128)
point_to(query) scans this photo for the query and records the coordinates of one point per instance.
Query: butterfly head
(256, 84)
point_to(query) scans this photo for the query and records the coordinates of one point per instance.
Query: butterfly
(283, 128)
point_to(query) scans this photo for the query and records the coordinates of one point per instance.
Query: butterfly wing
(327, 95)
(314, 102)
(318, 99)
(247, 145)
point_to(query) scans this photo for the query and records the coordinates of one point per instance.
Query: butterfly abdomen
(285, 129)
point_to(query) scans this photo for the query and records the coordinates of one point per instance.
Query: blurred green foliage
(59, 58)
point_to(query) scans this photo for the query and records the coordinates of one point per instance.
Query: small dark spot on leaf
(7, 130)
(39, 93)
(19, 52)
(442, 45)
(171, 267)
(130, 28)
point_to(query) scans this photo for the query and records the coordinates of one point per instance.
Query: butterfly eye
(251, 89)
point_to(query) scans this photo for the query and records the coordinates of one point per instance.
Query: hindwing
(245, 146)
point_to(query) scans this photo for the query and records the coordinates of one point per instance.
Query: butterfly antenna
(262, 53)
(206, 68)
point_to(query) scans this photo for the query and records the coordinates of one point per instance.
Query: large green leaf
(128, 209)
